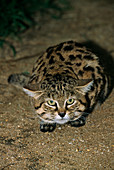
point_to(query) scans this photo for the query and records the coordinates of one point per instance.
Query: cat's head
(60, 104)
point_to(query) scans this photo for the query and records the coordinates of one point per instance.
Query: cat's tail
(19, 79)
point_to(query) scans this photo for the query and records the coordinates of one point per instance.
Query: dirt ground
(22, 145)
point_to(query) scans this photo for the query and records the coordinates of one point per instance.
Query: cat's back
(69, 58)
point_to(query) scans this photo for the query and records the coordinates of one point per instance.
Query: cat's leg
(47, 127)
(79, 122)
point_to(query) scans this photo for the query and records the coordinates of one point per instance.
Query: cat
(66, 84)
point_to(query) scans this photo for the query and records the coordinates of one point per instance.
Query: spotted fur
(66, 71)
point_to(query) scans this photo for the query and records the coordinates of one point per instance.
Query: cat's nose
(62, 114)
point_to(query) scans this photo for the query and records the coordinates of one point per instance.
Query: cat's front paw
(47, 127)
(79, 122)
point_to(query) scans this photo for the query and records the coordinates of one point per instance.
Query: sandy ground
(22, 145)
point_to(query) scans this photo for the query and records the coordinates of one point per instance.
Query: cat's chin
(61, 121)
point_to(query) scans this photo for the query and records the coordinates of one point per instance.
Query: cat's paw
(79, 122)
(47, 127)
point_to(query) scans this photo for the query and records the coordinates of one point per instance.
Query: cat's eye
(70, 101)
(51, 102)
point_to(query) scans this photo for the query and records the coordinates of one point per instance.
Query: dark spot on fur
(33, 77)
(49, 49)
(34, 68)
(51, 61)
(68, 48)
(41, 66)
(49, 53)
(48, 75)
(58, 87)
(93, 75)
(60, 56)
(53, 85)
(68, 63)
(88, 68)
(61, 65)
(47, 79)
(59, 47)
(39, 58)
(70, 42)
(78, 64)
(52, 67)
(88, 57)
(79, 56)
(81, 51)
(92, 88)
(40, 62)
(80, 73)
(48, 95)
(72, 57)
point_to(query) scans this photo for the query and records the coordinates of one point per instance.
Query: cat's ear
(84, 86)
(33, 91)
